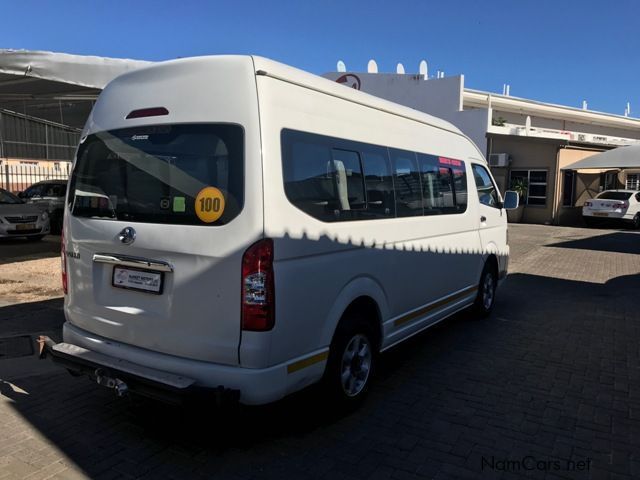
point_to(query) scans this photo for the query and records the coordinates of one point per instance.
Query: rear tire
(589, 222)
(351, 364)
(635, 223)
(485, 299)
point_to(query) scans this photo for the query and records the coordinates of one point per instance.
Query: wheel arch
(361, 294)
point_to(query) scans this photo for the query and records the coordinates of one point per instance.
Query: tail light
(620, 205)
(587, 204)
(258, 290)
(63, 264)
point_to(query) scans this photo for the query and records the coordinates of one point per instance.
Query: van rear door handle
(483, 219)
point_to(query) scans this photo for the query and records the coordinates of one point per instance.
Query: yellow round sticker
(209, 205)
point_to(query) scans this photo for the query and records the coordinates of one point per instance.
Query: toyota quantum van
(236, 225)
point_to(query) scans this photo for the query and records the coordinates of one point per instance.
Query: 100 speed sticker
(209, 204)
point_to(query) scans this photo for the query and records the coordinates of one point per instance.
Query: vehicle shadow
(618, 242)
(507, 385)
(20, 249)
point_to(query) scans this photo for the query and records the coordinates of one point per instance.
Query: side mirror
(511, 200)
(20, 194)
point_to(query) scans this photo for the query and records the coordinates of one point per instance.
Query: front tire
(485, 299)
(352, 359)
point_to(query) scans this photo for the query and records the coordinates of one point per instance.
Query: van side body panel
(404, 264)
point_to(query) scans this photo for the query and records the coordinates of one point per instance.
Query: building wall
(556, 124)
(528, 154)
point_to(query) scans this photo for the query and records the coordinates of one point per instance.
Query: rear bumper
(609, 215)
(251, 386)
(10, 230)
(125, 377)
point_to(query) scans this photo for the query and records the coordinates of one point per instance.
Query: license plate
(134, 279)
(600, 214)
(25, 226)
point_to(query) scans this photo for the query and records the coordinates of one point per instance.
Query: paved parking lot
(547, 387)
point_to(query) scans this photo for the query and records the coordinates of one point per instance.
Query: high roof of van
(315, 82)
(305, 79)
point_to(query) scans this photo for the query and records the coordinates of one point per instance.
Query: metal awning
(621, 157)
(56, 86)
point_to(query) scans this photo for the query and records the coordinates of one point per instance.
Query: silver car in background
(19, 219)
(49, 196)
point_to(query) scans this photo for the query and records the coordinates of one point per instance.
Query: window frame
(529, 183)
(636, 182)
(499, 204)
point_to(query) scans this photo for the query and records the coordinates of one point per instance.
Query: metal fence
(17, 178)
(22, 136)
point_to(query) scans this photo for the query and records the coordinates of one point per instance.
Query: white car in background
(623, 205)
(19, 219)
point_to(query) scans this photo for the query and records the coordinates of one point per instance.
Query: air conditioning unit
(499, 160)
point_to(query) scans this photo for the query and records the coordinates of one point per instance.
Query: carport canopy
(56, 86)
(618, 158)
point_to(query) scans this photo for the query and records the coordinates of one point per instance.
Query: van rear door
(154, 242)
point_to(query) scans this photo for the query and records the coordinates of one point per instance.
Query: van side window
(379, 183)
(326, 183)
(487, 191)
(437, 186)
(309, 182)
(459, 171)
(407, 183)
(444, 185)
(337, 180)
(347, 172)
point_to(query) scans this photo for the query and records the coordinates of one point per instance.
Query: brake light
(147, 112)
(587, 204)
(258, 290)
(63, 264)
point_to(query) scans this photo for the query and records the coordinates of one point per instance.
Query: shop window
(536, 181)
(633, 181)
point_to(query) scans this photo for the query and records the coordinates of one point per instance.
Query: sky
(561, 51)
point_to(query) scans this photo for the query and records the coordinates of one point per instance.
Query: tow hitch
(120, 387)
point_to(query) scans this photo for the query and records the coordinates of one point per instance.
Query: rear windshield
(614, 195)
(173, 174)
(8, 197)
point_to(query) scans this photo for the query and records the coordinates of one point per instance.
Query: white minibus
(238, 226)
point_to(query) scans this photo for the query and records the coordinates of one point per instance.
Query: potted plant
(521, 187)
